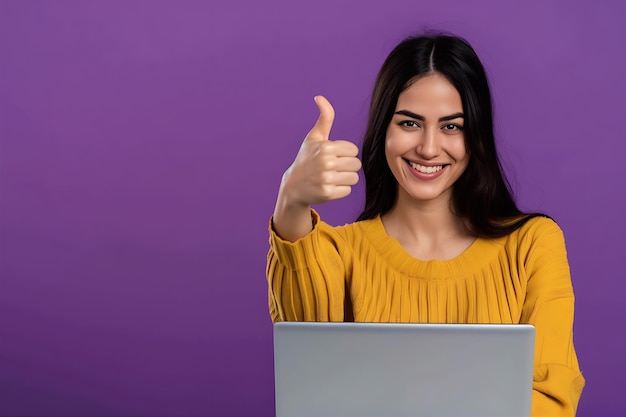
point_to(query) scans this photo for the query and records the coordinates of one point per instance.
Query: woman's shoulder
(359, 228)
(347, 231)
(539, 225)
(536, 229)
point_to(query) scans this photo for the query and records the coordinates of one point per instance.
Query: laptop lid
(401, 370)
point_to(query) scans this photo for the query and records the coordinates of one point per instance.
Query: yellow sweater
(521, 278)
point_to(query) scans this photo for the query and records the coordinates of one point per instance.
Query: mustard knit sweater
(521, 278)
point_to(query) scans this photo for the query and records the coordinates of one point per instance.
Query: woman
(441, 239)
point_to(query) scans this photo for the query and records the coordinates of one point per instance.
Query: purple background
(142, 144)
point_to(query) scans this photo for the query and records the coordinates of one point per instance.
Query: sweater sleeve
(549, 306)
(306, 278)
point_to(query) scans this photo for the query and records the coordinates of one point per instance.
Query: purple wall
(142, 144)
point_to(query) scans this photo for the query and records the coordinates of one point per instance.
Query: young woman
(441, 239)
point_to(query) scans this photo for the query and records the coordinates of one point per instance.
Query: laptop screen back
(393, 370)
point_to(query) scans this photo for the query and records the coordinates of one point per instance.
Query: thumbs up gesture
(324, 170)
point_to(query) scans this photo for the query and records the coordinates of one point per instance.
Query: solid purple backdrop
(142, 144)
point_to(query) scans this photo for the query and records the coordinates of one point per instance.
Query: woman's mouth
(431, 169)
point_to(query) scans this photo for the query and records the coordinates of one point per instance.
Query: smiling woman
(440, 239)
(423, 145)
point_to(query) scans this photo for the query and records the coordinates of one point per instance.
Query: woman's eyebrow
(422, 118)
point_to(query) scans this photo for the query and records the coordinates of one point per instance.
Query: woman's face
(425, 144)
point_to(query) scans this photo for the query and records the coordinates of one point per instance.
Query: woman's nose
(428, 145)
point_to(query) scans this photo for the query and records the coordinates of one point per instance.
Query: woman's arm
(305, 273)
(307, 278)
(549, 306)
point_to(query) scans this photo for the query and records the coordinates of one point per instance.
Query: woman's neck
(427, 229)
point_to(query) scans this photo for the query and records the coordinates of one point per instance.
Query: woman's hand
(323, 170)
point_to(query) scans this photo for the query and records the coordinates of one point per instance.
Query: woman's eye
(452, 127)
(409, 123)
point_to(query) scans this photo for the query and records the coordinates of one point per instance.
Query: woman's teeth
(426, 170)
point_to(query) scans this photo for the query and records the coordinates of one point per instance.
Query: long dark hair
(482, 195)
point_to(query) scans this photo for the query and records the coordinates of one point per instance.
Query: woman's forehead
(432, 94)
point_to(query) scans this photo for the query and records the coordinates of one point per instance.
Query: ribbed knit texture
(521, 278)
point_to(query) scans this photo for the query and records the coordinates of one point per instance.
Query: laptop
(403, 370)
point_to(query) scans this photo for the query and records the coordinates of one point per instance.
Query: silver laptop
(402, 370)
